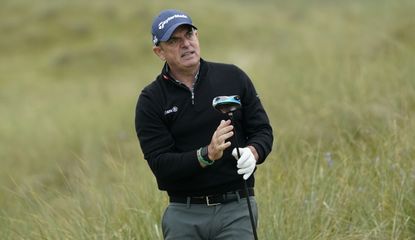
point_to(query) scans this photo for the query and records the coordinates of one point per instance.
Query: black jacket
(172, 123)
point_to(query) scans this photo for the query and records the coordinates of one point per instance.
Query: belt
(214, 199)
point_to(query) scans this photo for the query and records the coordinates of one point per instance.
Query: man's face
(182, 50)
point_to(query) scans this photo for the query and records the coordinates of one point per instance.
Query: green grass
(336, 78)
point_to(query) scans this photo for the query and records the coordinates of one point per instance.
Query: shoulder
(150, 99)
(228, 69)
(153, 87)
(222, 66)
(224, 70)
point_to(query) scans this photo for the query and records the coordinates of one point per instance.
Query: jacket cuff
(260, 152)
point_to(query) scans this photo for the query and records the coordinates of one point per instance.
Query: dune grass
(336, 78)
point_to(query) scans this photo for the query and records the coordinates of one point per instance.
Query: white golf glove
(246, 163)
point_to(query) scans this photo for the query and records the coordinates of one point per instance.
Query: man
(187, 143)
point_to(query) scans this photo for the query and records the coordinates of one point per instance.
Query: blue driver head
(227, 104)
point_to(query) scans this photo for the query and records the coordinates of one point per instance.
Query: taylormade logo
(161, 24)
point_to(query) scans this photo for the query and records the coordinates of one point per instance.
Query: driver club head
(227, 104)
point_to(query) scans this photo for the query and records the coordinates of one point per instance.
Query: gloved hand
(246, 163)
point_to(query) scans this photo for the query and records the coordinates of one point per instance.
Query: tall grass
(336, 78)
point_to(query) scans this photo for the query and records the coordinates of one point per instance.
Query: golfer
(189, 145)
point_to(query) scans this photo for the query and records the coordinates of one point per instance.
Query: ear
(159, 52)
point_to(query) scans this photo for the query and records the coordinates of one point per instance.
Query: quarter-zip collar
(167, 76)
(165, 73)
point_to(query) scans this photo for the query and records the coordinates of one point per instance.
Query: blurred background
(337, 79)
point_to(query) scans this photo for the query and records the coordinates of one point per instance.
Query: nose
(185, 42)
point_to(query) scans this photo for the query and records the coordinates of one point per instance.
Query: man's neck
(187, 76)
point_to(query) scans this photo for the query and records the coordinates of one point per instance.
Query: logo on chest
(171, 110)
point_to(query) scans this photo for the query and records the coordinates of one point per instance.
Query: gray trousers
(198, 221)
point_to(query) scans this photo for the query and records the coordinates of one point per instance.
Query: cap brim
(170, 31)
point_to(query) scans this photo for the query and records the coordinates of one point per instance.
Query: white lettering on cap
(161, 24)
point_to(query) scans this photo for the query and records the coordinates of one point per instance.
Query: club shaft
(251, 215)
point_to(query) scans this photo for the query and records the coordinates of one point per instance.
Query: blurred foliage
(336, 78)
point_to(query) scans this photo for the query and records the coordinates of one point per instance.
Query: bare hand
(218, 143)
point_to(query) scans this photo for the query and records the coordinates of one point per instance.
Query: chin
(191, 62)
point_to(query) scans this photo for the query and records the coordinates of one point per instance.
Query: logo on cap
(162, 23)
(166, 22)
(155, 40)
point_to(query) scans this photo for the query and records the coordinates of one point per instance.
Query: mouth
(187, 54)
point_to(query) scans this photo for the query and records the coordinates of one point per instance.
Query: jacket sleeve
(255, 120)
(158, 144)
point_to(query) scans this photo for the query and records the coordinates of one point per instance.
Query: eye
(172, 41)
(189, 34)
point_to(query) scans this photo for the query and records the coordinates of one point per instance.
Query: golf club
(228, 105)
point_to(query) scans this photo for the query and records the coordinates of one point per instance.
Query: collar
(165, 73)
